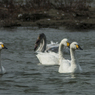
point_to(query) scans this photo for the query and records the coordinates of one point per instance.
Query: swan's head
(65, 42)
(75, 45)
(2, 46)
(39, 40)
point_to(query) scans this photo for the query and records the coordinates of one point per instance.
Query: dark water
(24, 75)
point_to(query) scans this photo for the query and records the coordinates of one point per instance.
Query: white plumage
(71, 66)
(52, 58)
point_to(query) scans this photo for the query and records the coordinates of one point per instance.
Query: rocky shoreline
(73, 19)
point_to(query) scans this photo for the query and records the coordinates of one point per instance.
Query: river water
(26, 77)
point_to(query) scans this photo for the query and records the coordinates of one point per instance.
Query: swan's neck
(61, 51)
(73, 57)
(42, 46)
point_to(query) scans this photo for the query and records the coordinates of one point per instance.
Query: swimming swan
(2, 70)
(52, 58)
(70, 66)
(42, 46)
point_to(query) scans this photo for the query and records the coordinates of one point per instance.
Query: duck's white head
(75, 45)
(2, 46)
(65, 42)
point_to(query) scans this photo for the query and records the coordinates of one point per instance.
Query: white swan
(70, 66)
(42, 46)
(52, 58)
(2, 70)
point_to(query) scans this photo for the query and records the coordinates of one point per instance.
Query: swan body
(53, 46)
(2, 70)
(71, 66)
(48, 58)
(52, 58)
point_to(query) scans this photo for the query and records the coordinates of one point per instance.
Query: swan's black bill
(80, 48)
(5, 47)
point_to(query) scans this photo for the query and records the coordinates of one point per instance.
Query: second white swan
(71, 66)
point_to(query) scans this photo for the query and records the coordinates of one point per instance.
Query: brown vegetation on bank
(72, 15)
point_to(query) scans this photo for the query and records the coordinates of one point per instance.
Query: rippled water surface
(26, 77)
